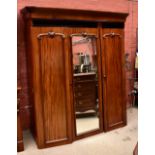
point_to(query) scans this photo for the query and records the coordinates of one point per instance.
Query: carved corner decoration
(84, 34)
(50, 35)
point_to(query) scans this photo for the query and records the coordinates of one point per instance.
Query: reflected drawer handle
(80, 102)
(78, 78)
(79, 94)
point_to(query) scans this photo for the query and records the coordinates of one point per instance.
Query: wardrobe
(75, 61)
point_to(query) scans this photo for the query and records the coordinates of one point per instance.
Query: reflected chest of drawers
(85, 92)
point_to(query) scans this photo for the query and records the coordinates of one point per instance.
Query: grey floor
(117, 142)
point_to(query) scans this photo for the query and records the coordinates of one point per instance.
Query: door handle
(105, 76)
(112, 34)
(50, 35)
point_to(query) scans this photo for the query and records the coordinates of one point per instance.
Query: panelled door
(55, 104)
(113, 77)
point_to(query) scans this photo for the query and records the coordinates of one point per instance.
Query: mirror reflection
(85, 80)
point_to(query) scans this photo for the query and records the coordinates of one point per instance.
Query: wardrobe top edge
(31, 12)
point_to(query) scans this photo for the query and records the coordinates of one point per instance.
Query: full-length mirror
(85, 83)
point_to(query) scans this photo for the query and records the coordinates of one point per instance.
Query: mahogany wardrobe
(75, 61)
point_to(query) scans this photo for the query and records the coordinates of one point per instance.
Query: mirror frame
(101, 115)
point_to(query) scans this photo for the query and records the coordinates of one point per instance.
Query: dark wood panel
(53, 86)
(50, 88)
(20, 144)
(70, 14)
(113, 76)
(33, 61)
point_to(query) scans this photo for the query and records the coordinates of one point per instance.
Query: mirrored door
(85, 82)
